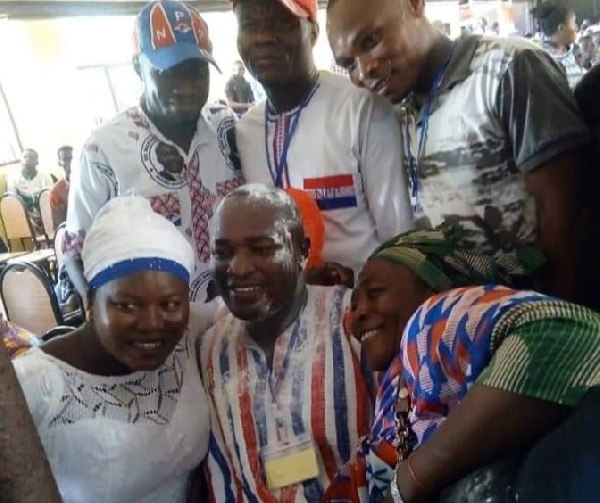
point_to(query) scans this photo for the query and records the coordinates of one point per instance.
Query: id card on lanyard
(290, 455)
(416, 138)
(278, 168)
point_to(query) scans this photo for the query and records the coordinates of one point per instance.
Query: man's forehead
(352, 16)
(255, 8)
(255, 213)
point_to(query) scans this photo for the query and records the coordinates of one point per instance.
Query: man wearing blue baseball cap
(171, 148)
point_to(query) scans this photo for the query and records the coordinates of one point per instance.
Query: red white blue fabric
(318, 386)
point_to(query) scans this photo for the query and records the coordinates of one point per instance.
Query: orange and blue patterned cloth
(496, 336)
(16, 339)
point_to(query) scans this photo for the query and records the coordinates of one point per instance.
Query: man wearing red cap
(318, 133)
(171, 149)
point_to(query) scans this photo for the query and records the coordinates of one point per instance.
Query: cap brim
(168, 57)
(290, 5)
(295, 9)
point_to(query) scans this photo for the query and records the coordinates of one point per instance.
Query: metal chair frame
(42, 278)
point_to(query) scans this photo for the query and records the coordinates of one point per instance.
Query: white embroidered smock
(126, 439)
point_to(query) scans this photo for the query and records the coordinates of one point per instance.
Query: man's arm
(555, 187)
(11, 182)
(488, 424)
(25, 474)
(382, 169)
(237, 104)
(74, 267)
(549, 145)
(93, 183)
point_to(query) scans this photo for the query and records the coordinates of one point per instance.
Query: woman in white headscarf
(118, 403)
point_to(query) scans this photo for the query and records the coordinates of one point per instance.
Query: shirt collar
(459, 67)
(547, 45)
(205, 131)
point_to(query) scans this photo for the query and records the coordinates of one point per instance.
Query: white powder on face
(283, 237)
(259, 193)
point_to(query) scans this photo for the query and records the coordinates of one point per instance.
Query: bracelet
(422, 487)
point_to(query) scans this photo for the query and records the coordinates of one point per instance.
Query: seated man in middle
(288, 396)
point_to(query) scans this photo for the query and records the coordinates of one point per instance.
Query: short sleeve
(385, 181)
(93, 183)
(538, 110)
(11, 183)
(532, 359)
(47, 180)
(42, 385)
(230, 90)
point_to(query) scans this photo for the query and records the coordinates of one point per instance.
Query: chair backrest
(14, 217)
(59, 239)
(29, 298)
(46, 213)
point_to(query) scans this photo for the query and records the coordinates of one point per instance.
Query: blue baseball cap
(168, 33)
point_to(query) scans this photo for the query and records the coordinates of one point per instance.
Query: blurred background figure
(557, 22)
(28, 183)
(59, 194)
(238, 90)
(588, 51)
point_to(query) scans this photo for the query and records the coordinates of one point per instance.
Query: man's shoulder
(226, 327)
(498, 54)
(339, 88)
(329, 301)
(129, 119)
(14, 176)
(217, 117)
(253, 118)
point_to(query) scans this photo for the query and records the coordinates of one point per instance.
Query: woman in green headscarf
(473, 373)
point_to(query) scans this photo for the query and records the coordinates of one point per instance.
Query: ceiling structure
(40, 9)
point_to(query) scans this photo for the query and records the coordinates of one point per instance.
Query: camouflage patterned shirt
(502, 110)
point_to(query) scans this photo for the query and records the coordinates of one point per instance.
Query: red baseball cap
(306, 9)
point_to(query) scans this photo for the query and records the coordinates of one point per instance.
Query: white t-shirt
(16, 182)
(346, 152)
(129, 155)
(133, 438)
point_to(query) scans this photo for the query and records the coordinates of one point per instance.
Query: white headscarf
(127, 236)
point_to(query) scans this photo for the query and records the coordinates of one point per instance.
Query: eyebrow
(354, 41)
(250, 240)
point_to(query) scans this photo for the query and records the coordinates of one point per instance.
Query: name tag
(290, 464)
(332, 192)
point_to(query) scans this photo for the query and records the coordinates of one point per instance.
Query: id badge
(290, 463)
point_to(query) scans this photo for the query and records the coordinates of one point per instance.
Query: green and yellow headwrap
(436, 256)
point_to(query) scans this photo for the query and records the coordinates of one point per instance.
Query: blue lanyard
(424, 128)
(281, 163)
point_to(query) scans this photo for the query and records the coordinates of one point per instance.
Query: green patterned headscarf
(436, 256)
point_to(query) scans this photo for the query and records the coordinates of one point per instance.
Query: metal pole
(111, 89)
(11, 118)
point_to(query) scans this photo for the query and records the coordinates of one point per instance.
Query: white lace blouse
(125, 439)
